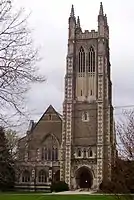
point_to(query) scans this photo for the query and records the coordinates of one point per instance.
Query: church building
(77, 147)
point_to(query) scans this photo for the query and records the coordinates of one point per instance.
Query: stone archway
(57, 176)
(84, 177)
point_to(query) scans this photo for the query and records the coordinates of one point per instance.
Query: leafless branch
(18, 60)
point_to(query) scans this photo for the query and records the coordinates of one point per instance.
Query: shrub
(59, 187)
(107, 186)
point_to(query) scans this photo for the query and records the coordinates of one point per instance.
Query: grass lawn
(52, 197)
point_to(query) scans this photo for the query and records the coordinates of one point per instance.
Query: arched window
(85, 115)
(56, 154)
(53, 154)
(84, 153)
(91, 60)
(81, 60)
(26, 176)
(90, 153)
(45, 154)
(49, 153)
(49, 117)
(50, 148)
(42, 178)
(79, 152)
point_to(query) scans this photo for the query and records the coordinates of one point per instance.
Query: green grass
(52, 197)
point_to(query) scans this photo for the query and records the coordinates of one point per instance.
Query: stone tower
(87, 151)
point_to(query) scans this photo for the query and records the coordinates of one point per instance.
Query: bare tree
(125, 145)
(18, 61)
(123, 172)
(125, 134)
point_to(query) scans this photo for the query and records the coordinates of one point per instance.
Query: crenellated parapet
(87, 35)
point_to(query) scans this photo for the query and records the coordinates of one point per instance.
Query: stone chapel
(78, 146)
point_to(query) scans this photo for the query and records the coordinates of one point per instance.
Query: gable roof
(49, 110)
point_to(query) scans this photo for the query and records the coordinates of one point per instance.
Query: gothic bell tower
(87, 132)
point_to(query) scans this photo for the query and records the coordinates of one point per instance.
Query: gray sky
(49, 19)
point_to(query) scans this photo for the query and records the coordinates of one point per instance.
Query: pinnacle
(101, 9)
(72, 11)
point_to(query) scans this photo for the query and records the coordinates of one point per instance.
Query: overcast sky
(49, 19)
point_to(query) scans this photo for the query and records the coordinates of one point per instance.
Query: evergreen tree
(7, 173)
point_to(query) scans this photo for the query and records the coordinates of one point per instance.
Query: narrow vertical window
(84, 153)
(85, 115)
(90, 153)
(53, 154)
(79, 152)
(42, 178)
(91, 60)
(46, 153)
(49, 154)
(81, 92)
(81, 60)
(49, 117)
(56, 154)
(26, 176)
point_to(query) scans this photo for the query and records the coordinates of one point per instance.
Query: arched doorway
(84, 177)
(57, 176)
